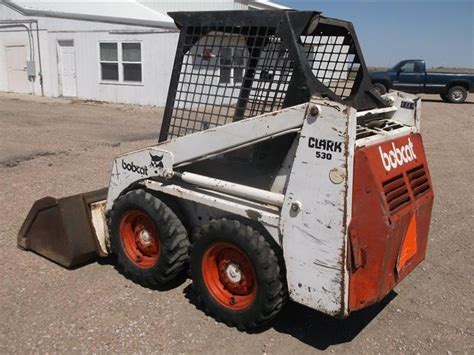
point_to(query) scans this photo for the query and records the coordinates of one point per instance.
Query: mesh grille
(226, 74)
(333, 59)
(232, 65)
(273, 74)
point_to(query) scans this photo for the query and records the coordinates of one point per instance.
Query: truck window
(408, 67)
(419, 67)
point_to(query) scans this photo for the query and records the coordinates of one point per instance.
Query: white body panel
(100, 225)
(315, 237)
(203, 145)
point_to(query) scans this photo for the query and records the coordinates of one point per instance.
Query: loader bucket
(61, 229)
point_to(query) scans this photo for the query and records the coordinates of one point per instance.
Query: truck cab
(411, 76)
(407, 75)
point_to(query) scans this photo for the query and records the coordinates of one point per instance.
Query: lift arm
(159, 160)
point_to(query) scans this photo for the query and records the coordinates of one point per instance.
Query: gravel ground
(59, 147)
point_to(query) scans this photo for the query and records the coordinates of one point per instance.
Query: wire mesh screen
(227, 74)
(273, 73)
(240, 64)
(333, 59)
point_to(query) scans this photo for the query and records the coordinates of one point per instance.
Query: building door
(67, 69)
(17, 79)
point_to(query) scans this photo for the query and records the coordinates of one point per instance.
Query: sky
(440, 32)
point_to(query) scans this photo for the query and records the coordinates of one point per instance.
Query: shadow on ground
(312, 327)
(305, 324)
(321, 331)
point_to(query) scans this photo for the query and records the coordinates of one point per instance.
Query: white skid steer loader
(279, 174)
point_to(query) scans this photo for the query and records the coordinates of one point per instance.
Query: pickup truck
(411, 76)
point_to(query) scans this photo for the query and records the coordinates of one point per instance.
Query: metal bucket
(62, 230)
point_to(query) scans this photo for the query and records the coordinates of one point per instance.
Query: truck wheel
(457, 94)
(444, 97)
(236, 274)
(150, 242)
(380, 88)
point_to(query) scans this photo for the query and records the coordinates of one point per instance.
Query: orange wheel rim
(229, 276)
(139, 238)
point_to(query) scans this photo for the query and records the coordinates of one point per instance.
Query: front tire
(150, 242)
(380, 88)
(457, 94)
(236, 274)
(444, 97)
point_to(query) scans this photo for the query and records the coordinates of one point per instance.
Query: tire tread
(272, 280)
(174, 241)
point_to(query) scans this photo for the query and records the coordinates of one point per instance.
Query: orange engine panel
(391, 212)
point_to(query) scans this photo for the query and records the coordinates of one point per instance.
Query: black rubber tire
(444, 97)
(173, 238)
(453, 98)
(380, 88)
(271, 292)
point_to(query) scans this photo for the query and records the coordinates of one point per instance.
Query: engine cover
(391, 212)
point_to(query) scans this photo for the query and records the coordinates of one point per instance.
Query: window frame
(407, 72)
(120, 63)
(232, 67)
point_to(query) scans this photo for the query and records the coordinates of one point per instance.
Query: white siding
(195, 5)
(158, 50)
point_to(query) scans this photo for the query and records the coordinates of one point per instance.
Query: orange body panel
(391, 212)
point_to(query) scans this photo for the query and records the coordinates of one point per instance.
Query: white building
(118, 51)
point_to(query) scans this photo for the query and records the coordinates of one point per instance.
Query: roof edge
(83, 17)
(266, 5)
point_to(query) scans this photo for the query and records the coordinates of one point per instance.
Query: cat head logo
(156, 161)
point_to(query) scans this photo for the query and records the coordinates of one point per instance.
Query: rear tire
(150, 242)
(380, 88)
(444, 97)
(457, 94)
(236, 274)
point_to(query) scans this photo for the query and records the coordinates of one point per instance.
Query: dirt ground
(59, 147)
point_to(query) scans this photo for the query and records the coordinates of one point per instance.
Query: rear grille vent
(396, 193)
(418, 180)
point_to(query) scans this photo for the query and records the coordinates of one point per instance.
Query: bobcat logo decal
(156, 161)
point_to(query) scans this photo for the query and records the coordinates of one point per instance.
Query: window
(121, 62)
(239, 64)
(419, 67)
(408, 67)
(132, 62)
(232, 64)
(109, 61)
(225, 61)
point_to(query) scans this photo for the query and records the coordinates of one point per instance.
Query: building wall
(158, 50)
(165, 6)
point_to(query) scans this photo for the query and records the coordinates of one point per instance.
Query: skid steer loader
(278, 174)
